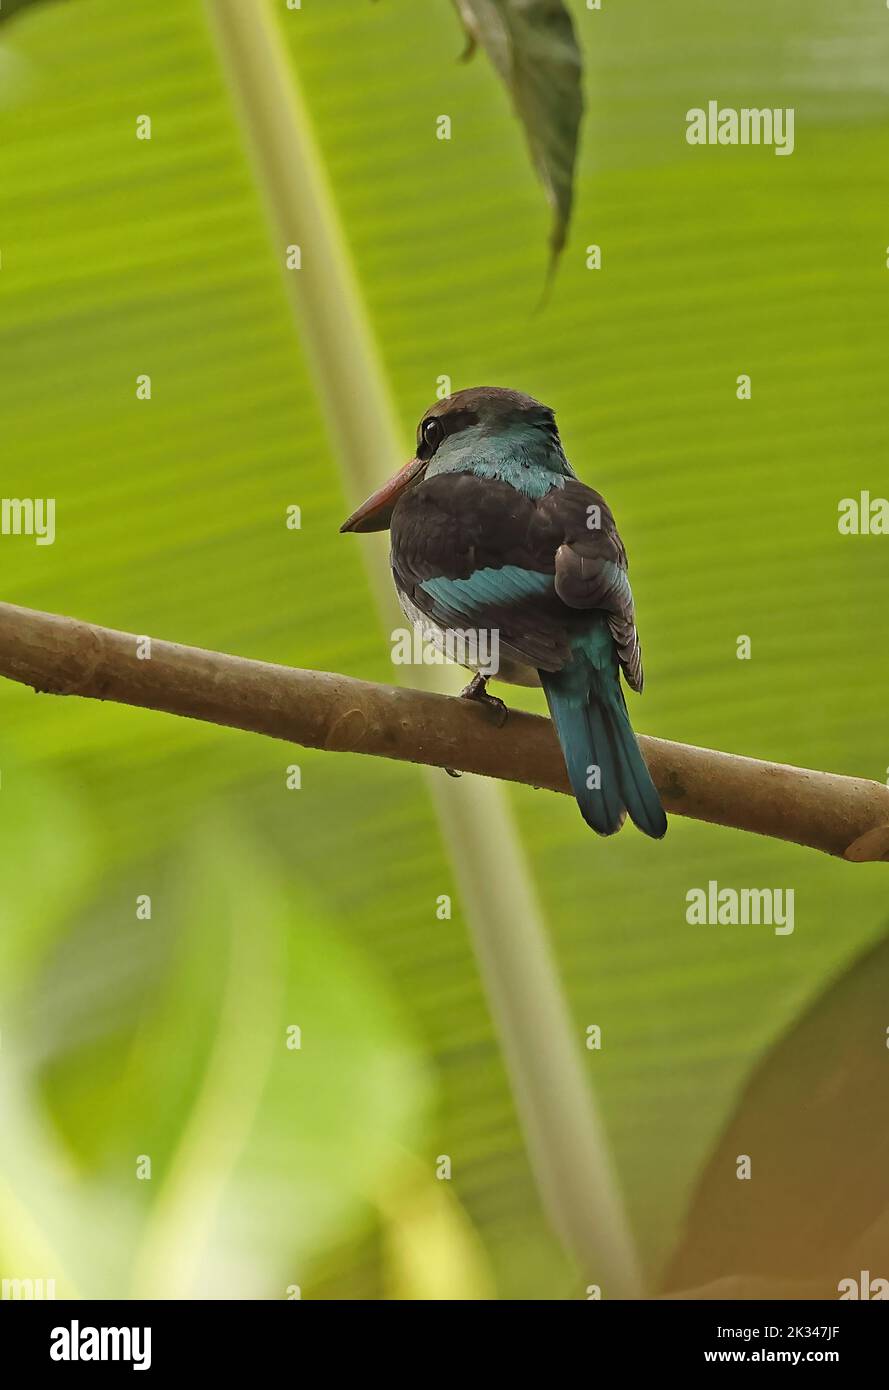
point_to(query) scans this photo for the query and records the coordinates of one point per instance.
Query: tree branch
(844, 816)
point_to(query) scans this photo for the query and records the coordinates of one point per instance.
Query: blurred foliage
(122, 256)
(10, 7)
(814, 1123)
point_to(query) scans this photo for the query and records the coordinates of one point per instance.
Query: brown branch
(845, 816)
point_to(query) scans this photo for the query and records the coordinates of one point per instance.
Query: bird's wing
(591, 567)
(472, 553)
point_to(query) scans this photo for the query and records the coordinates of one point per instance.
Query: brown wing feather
(591, 571)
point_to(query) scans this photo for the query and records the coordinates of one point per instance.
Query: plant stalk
(566, 1143)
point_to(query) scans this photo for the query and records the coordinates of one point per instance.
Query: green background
(123, 1037)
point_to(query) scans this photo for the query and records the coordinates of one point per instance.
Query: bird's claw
(452, 772)
(498, 709)
(477, 690)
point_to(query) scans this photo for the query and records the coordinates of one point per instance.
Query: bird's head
(486, 429)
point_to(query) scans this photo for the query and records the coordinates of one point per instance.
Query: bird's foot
(452, 772)
(477, 690)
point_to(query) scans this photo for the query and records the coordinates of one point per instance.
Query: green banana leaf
(123, 257)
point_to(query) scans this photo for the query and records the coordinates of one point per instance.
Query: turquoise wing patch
(473, 598)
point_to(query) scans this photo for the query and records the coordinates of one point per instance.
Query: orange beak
(376, 513)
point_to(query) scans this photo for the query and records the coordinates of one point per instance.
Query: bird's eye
(433, 434)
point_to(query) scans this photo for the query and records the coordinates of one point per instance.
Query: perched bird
(491, 530)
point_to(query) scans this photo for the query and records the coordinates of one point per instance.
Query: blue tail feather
(606, 769)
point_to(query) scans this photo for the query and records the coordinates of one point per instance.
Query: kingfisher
(492, 532)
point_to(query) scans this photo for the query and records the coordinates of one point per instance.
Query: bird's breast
(457, 645)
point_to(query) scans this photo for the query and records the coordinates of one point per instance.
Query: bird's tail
(606, 769)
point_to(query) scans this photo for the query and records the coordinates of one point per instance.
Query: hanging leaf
(533, 47)
(471, 39)
(814, 1122)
